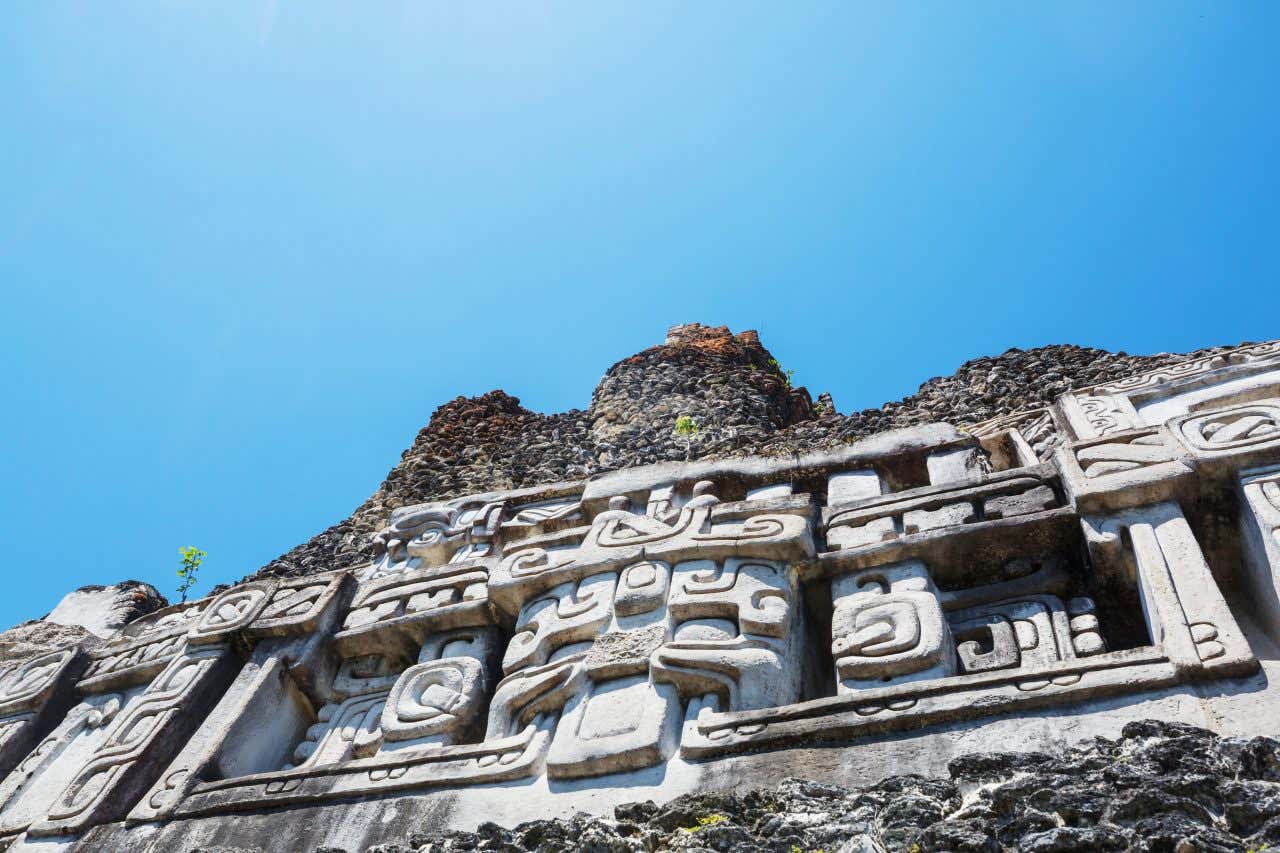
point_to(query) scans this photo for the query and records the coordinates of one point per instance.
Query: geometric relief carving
(631, 633)
(1110, 408)
(1014, 642)
(434, 535)
(133, 750)
(736, 634)
(883, 519)
(343, 730)
(430, 599)
(721, 638)
(1233, 428)
(27, 684)
(134, 661)
(33, 693)
(703, 527)
(638, 634)
(1036, 427)
(1122, 470)
(887, 626)
(32, 787)
(1034, 631)
(1097, 460)
(439, 700)
(296, 606)
(231, 611)
(1260, 526)
(1186, 614)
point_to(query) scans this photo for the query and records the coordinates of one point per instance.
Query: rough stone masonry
(1035, 606)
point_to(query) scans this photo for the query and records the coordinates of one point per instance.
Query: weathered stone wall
(730, 384)
(543, 615)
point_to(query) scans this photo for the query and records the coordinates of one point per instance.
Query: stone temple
(1035, 606)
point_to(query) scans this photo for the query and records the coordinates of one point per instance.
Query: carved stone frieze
(1123, 470)
(645, 624)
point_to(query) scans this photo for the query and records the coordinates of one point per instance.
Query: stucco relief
(603, 628)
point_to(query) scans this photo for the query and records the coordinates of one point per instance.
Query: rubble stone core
(783, 592)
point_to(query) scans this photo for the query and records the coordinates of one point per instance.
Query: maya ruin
(552, 618)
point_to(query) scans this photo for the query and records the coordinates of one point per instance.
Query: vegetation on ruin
(192, 557)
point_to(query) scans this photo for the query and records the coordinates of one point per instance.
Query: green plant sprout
(687, 426)
(192, 557)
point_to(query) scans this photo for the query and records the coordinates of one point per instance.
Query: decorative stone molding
(661, 619)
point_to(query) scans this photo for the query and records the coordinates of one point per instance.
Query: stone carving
(619, 654)
(1036, 427)
(1225, 440)
(890, 517)
(135, 661)
(1188, 617)
(230, 612)
(417, 602)
(440, 699)
(667, 614)
(888, 627)
(1125, 469)
(343, 730)
(1233, 428)
(1034, 631)
(433, 535)
(102, 789)
(1260, 523)
(1107, 409)
(1098, 460)
(297, 606)
(704, 527)
(27, 684)
(29, 791)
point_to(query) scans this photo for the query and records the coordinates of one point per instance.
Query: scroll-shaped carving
(703, 528)
(34, 694)
(1105, 415)
(735, 638)
(137, 746)
(1107, 409)
(231, 611)
(434, 535)
(439, 700)
(298, 606)
(1240, 427)
(26, 685)
(31, 788)
(342, 731)
(112, 666)
(1037, 428)
(415, 603)
(570, 613)
(724, 633)
(887, 626)
(1122, 470)
(542, 517)
(754, 594)
(1192, 367)
(1097, 460)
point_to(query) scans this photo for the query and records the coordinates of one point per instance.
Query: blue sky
(247, 247)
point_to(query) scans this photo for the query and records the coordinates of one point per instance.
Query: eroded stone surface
(711, 623)
(1160, 786)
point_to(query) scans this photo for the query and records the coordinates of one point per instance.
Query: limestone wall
(842, 614)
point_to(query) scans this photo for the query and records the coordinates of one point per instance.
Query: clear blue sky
(247, 247)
